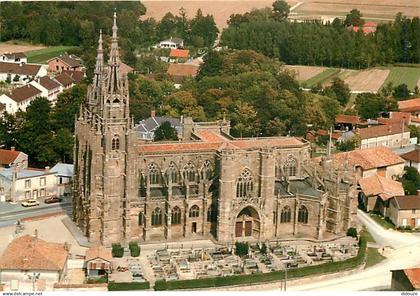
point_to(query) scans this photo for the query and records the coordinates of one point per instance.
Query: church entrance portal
(247, 223)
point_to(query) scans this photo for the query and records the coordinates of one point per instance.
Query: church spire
(114, 55)
(114, 79)
(99, 60)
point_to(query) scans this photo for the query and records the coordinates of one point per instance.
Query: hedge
(134, 249)
(117, 250)
(324, 268)
(128, 286)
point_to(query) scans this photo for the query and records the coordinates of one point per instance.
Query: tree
(352, 232)
(165, 132)
(241, 249)
(354, 18)
(212, 66)
(369, 105)
(183, 103)
(411, 181)
(401, 92)
(281, 10)
(340, 90)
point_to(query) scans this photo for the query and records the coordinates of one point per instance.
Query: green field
(43, 55)
(373, 257)
(407, 75)
(321, 77)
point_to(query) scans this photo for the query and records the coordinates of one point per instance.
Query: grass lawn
(373, 257)
(407, 75)
(321, 77)
(43, 55)
(369, 237)
(381, 221)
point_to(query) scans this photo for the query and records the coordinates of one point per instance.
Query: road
(10, 218)
(405, 255)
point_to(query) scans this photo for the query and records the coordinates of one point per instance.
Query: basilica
(207, 185)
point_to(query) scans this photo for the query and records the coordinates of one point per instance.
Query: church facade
(206, 185)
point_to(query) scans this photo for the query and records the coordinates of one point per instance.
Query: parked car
(52, 199)
(30, 203)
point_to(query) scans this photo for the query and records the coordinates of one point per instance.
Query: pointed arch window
(303, 215)
(172, 173)
(157, 217)
(285, 215)
(290, 166)
(206, 171)
(115, 145)
(176, 216)
(141, 218)
(244, 184)
(154, 174)
(190, 173)
(194, 211)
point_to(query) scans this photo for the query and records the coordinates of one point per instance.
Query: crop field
(407, 75)
(369, 80)
(18, 47)
(322, 77)
(44, 54)
(304, 73)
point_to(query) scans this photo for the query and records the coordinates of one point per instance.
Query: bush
(408, 227)
(117, 250)
(241, 249)
(128, 286)
(99, 280)
(134, 249)
(247, 279)
(352, 232)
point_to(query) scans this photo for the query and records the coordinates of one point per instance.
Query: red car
(53, 199)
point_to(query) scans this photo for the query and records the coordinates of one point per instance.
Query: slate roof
(408, 202)
(31, 253)
(7, 157)
(385, 188)
(25, 173)
(63, 169)
(23, 93)
(14, 55)
(98, 252)
(174, 40)
(20, 69)
(151, 123)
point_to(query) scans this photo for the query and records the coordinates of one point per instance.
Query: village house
(31, 262)
(405, 279)
(180, 72)
(380, 161)
(367, 28)
(389, 135)
(412, 158)
(172, 42)
(49, 88)
(22, 184)
(396, 118)
(20, 73)
(13, 159)
(98, 261)
(347, 122)
(64, 62)
(178, 55)
(14, 57)
(64, 175)
(405, 210)
(146, 128)
(69, 78)
(376, 192)
(20, 98)
(412, 106)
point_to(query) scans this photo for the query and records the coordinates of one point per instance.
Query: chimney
(47, 169)
(153, 113)
(12, 148)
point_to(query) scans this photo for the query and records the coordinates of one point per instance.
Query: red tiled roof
(21, 69)
(409, 105)
(183, 70)
(179, 53)
(212, 141)
(48, 83)
(382, 130)
(77, 76)
(412, 155)
(64, 79)
(23, 93)
(370, 24)
(408, 202)
(378, 185)
(366, 158)
(98, 252)
(334, 136)
(30, 253)
(8, 156)
(352, 119)
(413, 274)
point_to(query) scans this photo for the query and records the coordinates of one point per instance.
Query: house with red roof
(405, 279)
(404, 210)
(13, 158)
(65, 62)
(367, 28)
(396, 135)
(412, 158)
(178, 55)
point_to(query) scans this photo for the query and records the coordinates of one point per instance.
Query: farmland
(304, 73)
(321, 77)
(43, 55)
(369, 80)
(18, 47)
(407, 75)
